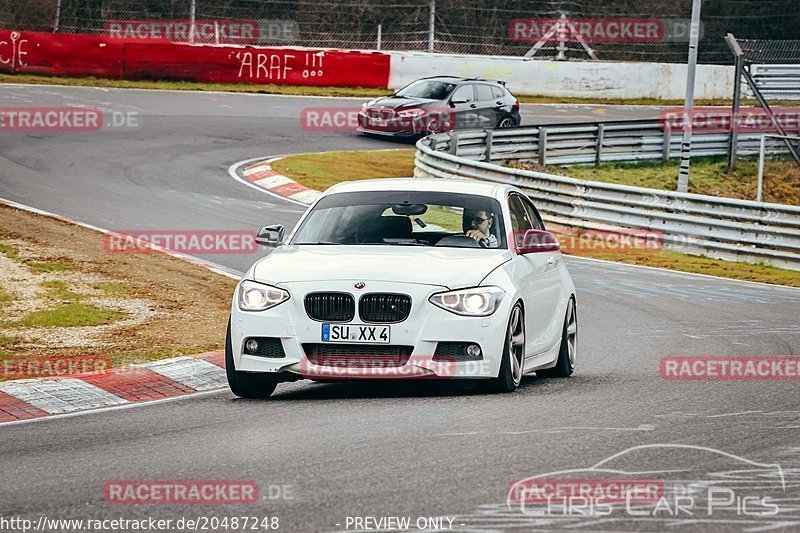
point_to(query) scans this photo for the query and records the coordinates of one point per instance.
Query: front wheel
(246, 384)
(568, 352)
(511, 366)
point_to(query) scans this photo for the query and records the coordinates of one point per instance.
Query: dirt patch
(150, 306)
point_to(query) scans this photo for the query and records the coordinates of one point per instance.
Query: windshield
(434, 90)
(404, 218)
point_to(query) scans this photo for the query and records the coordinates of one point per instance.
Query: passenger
(478, 225)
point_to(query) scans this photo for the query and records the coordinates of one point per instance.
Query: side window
(520, 223)
(465, 92)
(497, 92)
(533, 214)
(484, 93)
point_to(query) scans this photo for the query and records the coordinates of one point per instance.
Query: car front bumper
(426, 326)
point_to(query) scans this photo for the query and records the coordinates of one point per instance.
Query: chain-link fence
(617, 30)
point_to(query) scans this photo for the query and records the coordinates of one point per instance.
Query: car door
(551, 294)
(487, 108)
(465, 107)
(535, 278)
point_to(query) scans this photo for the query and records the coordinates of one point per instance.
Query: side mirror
(535, 241)
(455, 101)
(271, 236)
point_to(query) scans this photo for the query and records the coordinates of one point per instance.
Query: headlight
(410, 113)
(479, 301)
(254, 296)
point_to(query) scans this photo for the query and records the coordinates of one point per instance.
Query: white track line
(216, 267)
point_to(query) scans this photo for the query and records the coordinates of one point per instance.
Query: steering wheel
(468, 242)
(483, 242)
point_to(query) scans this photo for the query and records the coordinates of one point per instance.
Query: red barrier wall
(90, 55)
(233, 64)
(60, 54)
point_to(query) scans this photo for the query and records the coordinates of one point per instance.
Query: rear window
(498, 92)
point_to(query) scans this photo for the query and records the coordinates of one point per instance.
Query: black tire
(506, 122)
(246, 384)
(567, 354)
(509, 377)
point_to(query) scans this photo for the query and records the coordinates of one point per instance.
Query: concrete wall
(568, 78)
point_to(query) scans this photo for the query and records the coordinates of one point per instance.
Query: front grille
(385, 113)
(357, 355)
(267, 347)
(453, 351)
(330, 306)
(384, 308)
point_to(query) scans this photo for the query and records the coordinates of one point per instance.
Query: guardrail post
(601, 128)
(542, 146)
(667, 141)
(489, 139)
(454, 143)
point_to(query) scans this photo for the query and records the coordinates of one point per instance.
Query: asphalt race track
(356, 450)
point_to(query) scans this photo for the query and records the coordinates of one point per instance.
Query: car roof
(466, 186)
(459, 79)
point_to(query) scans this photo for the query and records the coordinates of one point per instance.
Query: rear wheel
(568, 352)
(506, 122)
(246, 384)
(511, 366)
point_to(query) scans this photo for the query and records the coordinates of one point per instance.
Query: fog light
(251, 346)
(474, 351)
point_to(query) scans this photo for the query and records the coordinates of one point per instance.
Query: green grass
(708, 175)
(68, 315)
(320, 171)
(8, 250)
(302, 90)
(54, 266)
(6, 340)
(58, 290)
(4, 296)
(112, 289)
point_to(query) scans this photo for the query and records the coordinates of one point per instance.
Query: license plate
(355, 333)
(378, 122)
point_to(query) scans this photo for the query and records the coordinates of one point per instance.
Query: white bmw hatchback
(405, 279)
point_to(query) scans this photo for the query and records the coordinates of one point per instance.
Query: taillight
(516, 104)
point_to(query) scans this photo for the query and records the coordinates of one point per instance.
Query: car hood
(448, 267)
(399, 103)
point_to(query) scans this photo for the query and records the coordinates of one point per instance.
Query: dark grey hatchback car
(440, 103)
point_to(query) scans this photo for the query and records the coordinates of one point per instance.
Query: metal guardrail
(781, 82)
(725, 228)
(599, 142)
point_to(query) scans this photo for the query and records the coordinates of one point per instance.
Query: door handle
(499, 104)
(473, 106)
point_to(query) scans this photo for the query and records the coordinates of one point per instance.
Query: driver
(478, 224)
